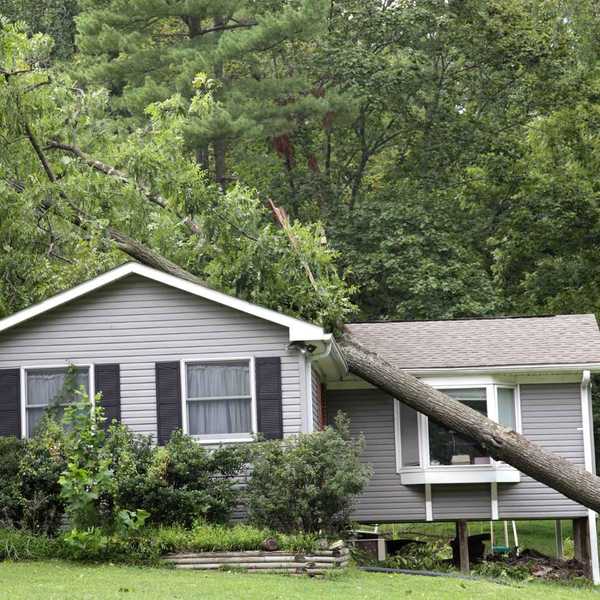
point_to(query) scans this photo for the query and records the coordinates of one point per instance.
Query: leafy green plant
(307, 483)
(210, 537)
(16, 544)
(499, 569)
(88, 475)
(430, 556)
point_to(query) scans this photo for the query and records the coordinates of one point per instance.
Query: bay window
(219, 400)
(52, 389)
(426, 451)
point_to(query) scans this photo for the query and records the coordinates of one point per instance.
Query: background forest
(436, 158)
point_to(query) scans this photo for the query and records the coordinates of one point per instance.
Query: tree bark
(500, 443)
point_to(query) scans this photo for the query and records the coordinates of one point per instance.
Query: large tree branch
(500, 443)
(124, 242)
(122, 177)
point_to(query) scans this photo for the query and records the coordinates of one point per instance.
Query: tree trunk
(219, 145)
(499, 442)
(148, 257)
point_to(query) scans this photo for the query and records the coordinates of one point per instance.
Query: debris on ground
(542, 566)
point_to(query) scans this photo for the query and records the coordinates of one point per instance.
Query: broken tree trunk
(499, 442)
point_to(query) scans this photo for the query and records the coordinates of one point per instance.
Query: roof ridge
(475, 318)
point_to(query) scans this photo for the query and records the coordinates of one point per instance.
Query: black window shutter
(268, 397)
(10, 402)
(107, 379)
(168, 400)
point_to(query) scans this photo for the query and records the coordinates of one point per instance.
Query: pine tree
(228, 63)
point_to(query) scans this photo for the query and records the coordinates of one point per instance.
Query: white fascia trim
(298, 330)
(533, 368)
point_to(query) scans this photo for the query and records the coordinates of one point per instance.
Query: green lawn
(65, 581)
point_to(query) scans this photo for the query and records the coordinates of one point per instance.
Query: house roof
(471, 343)
(299, 330)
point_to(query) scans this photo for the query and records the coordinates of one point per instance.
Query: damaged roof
(504, 341)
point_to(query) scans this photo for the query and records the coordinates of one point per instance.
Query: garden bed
(314, 563)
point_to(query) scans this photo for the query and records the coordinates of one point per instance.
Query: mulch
(544, 567)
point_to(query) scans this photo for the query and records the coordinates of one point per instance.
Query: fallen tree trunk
(499, 442)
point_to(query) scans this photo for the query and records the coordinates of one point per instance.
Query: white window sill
(459, 474)
(213, 441)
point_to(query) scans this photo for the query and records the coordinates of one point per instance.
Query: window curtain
(213, 380)
(219, 399)
(220, 416)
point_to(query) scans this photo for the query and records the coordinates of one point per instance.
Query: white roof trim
(299, 330)
(524, 368)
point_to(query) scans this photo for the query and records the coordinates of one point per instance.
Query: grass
(55, 580)
(538, 535)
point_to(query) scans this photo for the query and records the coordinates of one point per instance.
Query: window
(409, 436)
(47, 389)
(507, 413)
(219, 399)
(449, 448)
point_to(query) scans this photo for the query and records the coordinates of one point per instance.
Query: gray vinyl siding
(316, 405)
(551, 417)
(137, 322)
(461, 501)
(371, 413)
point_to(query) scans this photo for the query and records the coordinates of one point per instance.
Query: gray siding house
(170, 354)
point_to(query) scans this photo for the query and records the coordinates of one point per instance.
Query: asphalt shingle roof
(561, 339)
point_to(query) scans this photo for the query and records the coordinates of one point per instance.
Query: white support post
(560, 554)
(594, 547)
(588, 446)
(428, 503)
(494, 498)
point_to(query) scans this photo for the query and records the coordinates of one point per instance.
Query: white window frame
(426, 473)
(218, 438)
(23, 376)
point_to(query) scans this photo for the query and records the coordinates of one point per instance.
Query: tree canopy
(333, 159)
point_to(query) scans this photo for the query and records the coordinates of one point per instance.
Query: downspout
(310, 358)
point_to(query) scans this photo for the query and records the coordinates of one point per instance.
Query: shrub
(307, 483)
(42, 461)
(11, 502)
(184, 482)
